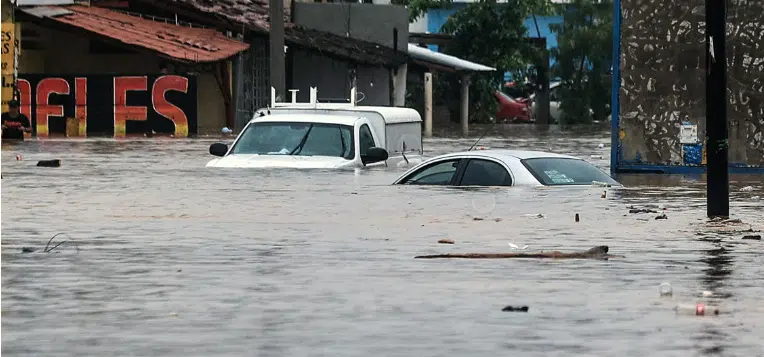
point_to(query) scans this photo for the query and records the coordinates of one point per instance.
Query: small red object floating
(700, 309)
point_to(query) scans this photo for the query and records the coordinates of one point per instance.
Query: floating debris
(662, 216)
(515, 308)
(665, 289)
(752, 237)
(600, 252)
(48, 248)
(642, 210)
(49, 163)
(446, 241)
(696, 309)
(515, 246)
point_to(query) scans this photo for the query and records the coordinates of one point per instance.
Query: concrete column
(465, 104)
(542, 95)
(276, 38)
(399, 86)
(428, 104)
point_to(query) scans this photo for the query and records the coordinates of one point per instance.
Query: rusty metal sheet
(191, 44)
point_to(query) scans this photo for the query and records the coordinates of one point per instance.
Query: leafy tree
(490, 33)
(583, 57)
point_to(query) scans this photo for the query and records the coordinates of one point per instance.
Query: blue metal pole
(616, 87)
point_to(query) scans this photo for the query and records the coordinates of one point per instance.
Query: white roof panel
(426, 55)
(43, 2)
(391, 115)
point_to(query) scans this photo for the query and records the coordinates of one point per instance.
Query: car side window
(440, 173)
(365, 138)
(485, 173)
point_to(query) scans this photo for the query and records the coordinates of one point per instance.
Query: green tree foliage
(494, 34)
(486, 32)
(583, 56)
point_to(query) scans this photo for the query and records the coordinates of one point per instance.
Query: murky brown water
(178, 260)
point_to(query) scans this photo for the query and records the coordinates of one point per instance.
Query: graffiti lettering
(166, 109)
(45, 110)
(25, 97)
(111, 105)
(81, 104)
(122, 111)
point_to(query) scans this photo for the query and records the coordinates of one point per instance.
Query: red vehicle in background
(513, 110)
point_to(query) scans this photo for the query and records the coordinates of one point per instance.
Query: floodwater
(164, 257)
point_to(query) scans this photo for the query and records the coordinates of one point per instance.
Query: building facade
(98, 71)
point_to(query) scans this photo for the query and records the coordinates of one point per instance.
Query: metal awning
(425, 56)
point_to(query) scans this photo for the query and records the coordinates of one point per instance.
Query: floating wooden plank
(599, 252)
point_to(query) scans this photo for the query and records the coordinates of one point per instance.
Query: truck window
(365, 138)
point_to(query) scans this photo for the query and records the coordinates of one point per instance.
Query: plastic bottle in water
(665, 289)
(698, 309)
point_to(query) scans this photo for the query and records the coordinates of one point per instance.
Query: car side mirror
(374, 154)
(218, 149)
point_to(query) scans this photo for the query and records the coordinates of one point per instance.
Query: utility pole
(277, 58)
(717, 187)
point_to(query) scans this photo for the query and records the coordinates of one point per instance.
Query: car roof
(391, 115)
(503, 154)
(306, 118)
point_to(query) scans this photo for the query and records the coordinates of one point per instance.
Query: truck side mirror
(218, 149)
(374, 154)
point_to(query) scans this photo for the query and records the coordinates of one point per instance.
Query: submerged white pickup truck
(325, 136)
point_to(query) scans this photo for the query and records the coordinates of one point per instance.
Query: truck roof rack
(313, 99)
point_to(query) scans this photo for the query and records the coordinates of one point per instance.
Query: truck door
(367, 139)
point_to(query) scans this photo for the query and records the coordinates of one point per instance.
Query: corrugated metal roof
(179, 42)
(253, 14)
(43, 2)
(426, 55)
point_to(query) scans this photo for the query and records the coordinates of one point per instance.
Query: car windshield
(562, 171)
(296, 138)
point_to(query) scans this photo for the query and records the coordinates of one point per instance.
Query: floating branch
(47, 250)
(599, 252)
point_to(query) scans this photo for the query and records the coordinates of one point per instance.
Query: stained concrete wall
(368, 22)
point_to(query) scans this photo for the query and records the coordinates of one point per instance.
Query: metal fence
(251, 80)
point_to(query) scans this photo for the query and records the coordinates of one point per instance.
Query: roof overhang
(436, 60)
(251, 16)
(164, 38)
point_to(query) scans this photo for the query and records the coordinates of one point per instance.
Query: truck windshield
(296, 138)
(562, 171)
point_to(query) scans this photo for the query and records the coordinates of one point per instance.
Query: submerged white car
(324, 136)
(498, 167)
